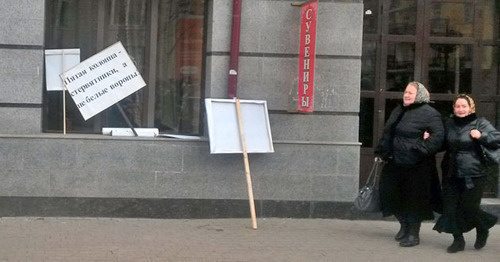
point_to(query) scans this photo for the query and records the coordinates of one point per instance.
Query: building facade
(182, 49)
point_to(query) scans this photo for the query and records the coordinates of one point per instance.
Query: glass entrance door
(451, 46)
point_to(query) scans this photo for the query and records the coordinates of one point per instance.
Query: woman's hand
(476, 134)
(426, 135)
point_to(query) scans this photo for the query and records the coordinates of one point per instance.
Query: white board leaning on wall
(223, 127)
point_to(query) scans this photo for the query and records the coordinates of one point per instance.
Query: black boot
(403, 231)
(412, 239)
(457, 245)
(481, 237)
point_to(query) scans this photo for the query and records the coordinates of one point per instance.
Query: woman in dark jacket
(409, 184)
(464, 174)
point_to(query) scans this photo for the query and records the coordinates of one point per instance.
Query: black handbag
(368, 199)
(490, 155)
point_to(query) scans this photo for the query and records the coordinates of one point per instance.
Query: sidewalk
(111, 239)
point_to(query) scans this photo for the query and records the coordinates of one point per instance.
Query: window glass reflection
(127, 25)
(370, 16)
(400, 65)
(127, 12)
(489, 70)
(366, 122)
(402, 17)
(450, 68)
(452, 19)
(64, 30)
(489, 21)
(179, 65)
(368, 65)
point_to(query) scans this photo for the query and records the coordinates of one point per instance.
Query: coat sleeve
(490, 137)
(434, 143)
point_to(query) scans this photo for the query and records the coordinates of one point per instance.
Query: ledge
(131, 138)
(96, 137)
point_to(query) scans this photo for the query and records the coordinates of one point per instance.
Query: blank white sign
(223, 127)
(56, 62)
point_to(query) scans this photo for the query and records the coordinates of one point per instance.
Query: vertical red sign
(307, 54)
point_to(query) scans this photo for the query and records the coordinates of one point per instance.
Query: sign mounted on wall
(307, 55)
(102, 80)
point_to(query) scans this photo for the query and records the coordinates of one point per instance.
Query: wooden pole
(247, 166)
(64, 110)
(64, 96)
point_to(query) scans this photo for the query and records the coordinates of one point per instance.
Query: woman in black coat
(464, 175)
(409, 183)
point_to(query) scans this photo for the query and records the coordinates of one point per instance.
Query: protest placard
(102, 80)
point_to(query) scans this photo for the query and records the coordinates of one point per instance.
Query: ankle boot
(481, 237)
(412, 239)
(403, 231)
(457, 245)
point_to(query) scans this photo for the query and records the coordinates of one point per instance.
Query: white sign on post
(223, 127)
(56, 62)
(102, 80)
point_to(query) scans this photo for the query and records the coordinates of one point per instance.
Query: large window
(164, 38)
(451, 46)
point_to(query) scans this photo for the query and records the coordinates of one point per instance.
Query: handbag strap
(372, 178)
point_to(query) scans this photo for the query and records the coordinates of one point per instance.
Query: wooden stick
(64, 110)
(64, 96)
(247, 166)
